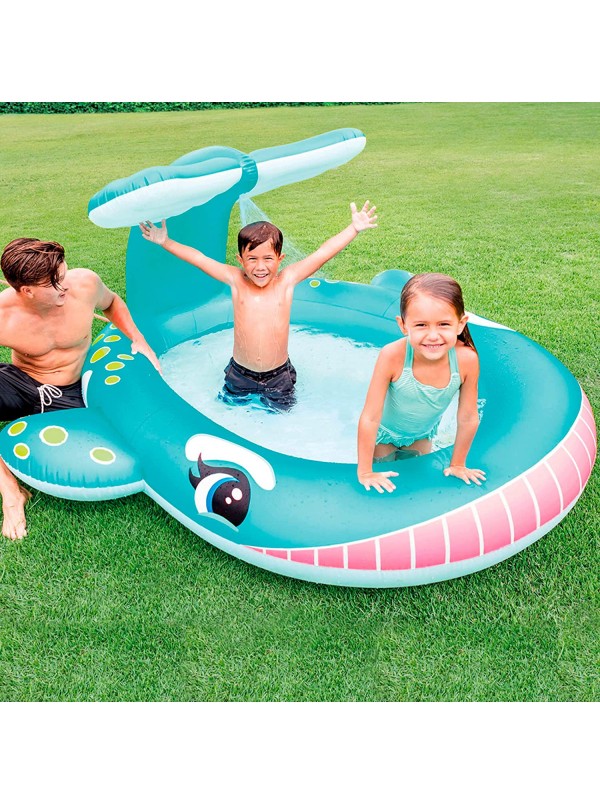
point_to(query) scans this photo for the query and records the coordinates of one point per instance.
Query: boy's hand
(377, 480)
(465, 474)
(363, 219)
(155, 234)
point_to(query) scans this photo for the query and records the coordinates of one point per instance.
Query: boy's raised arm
(361, 220)
(160, 236)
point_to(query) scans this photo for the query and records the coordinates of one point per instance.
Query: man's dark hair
(29, 261)
(252, 235)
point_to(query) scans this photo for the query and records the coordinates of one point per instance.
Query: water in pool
(333, 378)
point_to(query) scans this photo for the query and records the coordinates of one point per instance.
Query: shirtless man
(46, 320)
(262, 301)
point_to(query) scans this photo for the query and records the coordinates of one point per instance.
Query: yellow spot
(110, 381)
(99, 354)
(102, 455)
(17, 428)
(54, 435)
(314, 283)
(21, 450)
(98, 338)
(111, 338)
(125, 357)
(113, 366)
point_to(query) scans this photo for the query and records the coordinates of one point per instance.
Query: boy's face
(260, 264)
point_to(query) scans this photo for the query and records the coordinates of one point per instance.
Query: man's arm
(118, 313)
(361, 220)
(159, 235)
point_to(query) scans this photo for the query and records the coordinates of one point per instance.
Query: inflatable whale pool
(303, 518)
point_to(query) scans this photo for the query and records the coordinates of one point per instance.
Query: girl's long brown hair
(441, 286)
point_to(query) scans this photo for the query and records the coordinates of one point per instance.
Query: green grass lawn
(116, 601)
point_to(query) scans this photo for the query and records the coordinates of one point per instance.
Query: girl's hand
(363, 219)
(377, 480)
(155, 234)
(465, 474)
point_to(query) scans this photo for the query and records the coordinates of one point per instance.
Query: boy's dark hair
(252, 235)
(29, 261)
(440, 286)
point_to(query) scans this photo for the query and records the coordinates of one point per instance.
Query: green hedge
(57, 107)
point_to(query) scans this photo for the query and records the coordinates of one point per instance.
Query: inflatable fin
(73, 454)
(162, 192)
(295, 162)
(200, 176)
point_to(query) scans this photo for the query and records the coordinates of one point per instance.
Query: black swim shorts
(21, 395)
(275, 387)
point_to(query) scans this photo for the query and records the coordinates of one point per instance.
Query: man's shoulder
(13, 318)
(7, 294)
(8, 299)
(84, 282)
(83, 276)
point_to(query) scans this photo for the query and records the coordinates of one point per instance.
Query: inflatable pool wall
(306, 519)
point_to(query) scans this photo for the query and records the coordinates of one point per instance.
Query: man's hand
(141, 346)
(363, 219)
(377, 480)
(155, 234)
(465, 474)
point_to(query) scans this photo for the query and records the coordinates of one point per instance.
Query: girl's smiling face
(432, 326)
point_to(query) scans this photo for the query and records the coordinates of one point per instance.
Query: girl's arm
(160, 236)
(467, 420)
(369, 423)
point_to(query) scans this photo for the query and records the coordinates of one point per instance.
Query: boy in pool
(262, 301)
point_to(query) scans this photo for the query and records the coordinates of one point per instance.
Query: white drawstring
(48, 393)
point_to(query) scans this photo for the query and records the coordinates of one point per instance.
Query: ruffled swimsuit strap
(409, 357)
(453, 357)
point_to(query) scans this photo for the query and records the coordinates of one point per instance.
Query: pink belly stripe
(307, 557)
(587, 412)
(533, 499)
(587, 438)
(546, 492)
(463, 534)
(494, 523)
(361, 555)
(566, 473)
(582, 457)
(395, 551)
(331, 557)
(522, 508)
(430, 546)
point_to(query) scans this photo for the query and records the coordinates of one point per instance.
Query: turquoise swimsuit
(413, 410)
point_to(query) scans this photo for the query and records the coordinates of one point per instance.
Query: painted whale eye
(222, 491)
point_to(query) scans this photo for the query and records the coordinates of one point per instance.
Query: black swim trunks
(275, 388)
(21, 395)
